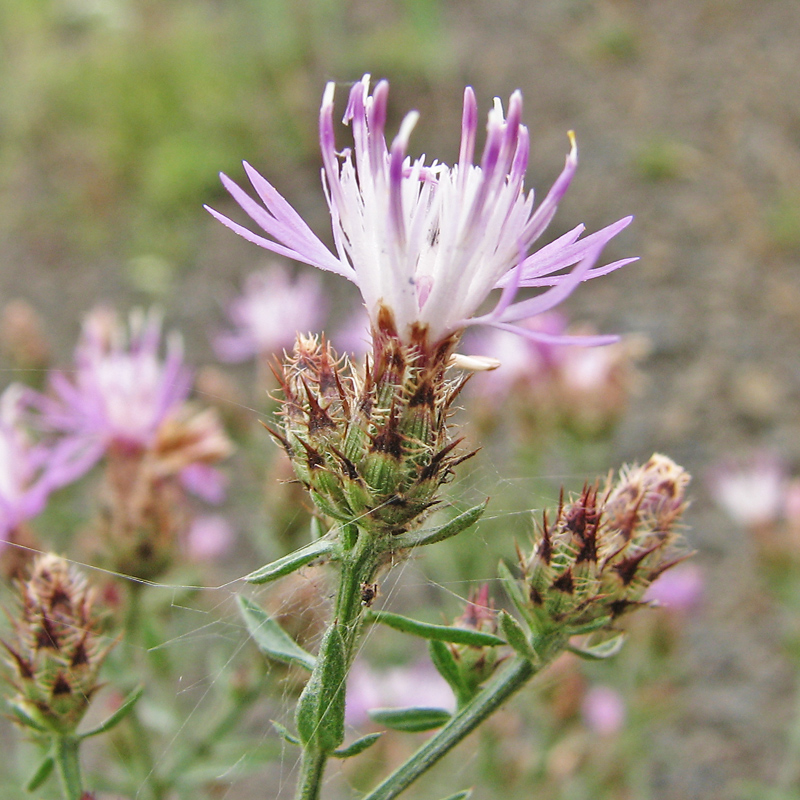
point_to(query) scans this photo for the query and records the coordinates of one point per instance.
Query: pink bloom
(210, 537)
(751, 492)
(417, 684)
(272, 310)
(603, 710)
(427, 241)
(29, 472)
(121, 389)
(679, 588)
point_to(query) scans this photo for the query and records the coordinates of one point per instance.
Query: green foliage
(410, 720)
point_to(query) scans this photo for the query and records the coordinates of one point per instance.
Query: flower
(603, 710)
(428, 243)
(29, 471)
(751, 491)
(122, 390)
(272, 310)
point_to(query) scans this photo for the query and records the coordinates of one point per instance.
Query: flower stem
(65, 754)
(512, 679)
(358, 566)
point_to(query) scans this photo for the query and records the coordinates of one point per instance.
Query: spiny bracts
(372, 446)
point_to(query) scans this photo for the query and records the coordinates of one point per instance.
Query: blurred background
(116, 117)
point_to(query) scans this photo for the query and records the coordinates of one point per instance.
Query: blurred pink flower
(210, 537)
(267, 317)
(29, 472)
(121, 389)
(679, 588)
(750, 491)
(603, 710)
(417, 684)
(586, 385)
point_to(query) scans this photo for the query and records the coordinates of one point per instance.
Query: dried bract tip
(59, 645)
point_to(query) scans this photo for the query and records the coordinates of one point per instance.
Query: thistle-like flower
(595, 561)
(59, 646)
(427, 243)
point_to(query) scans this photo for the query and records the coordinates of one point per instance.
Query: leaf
(333, 675)
(443, 633)
(600, 651)
(447, 667)
(270, 638)
(516, 636)
(433, 535)
(460, 795)
(293, 561)
(284, 733)
(26, 719)
(127, 706)
(358, 746)
(410, 720)
(513, 590)
(41, 774)
(319, 714)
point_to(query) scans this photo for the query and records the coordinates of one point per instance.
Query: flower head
(272, 310)
(429, 242)
(122, 389)
(29, 471)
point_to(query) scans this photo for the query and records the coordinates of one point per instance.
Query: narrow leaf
(358, 746)
(293, 561)
(284, 733)
(127, 706)
(270, 638)
(316, 529)
(26, 719)
(513, 590)
(443, 633)
(333, 675)
(447, 667)
(600, 651)
(433, 535)
(516, 636)
(41, 774)
(460, 795)
(410, 720)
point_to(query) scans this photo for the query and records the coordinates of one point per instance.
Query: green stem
(358, 566)
(65, 754)
(311, 770)
(512, 679)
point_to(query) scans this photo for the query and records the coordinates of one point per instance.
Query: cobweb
(208, 640)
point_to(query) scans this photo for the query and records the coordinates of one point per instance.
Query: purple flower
(603, 710)
(679, 588)
(751, 492)
(272, 310)
(121, 389)
(29, 472)
(416, 684)
(210, 537)
(429, 242)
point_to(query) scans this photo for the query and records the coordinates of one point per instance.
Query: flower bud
(370, 445)
(476, 663)
(596, 560)
(59, 645)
